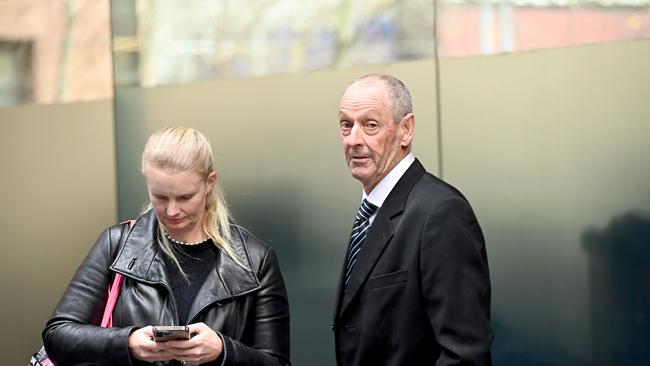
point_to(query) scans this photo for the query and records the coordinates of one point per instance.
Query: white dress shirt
(378, 194)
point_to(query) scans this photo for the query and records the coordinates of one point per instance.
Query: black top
(197, 261)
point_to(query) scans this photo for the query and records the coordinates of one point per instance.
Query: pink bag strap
(114, 291)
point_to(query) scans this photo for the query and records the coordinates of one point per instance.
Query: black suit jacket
(419, 293)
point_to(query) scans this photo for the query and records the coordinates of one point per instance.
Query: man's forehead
(363, 103)
(359, 109)
(367, 85)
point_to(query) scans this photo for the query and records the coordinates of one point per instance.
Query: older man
(415, 287)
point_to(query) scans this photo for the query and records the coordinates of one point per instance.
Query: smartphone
(164, 333)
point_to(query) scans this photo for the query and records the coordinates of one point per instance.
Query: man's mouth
(358, 161)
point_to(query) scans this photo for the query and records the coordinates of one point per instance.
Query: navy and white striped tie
(358, 236)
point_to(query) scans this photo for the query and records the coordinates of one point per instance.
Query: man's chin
(360, 174)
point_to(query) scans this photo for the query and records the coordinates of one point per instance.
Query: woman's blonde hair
(186, 149)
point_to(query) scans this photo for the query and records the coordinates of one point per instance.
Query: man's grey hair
(400, 98)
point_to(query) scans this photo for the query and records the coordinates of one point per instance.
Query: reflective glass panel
(487, 27)
(173, 41)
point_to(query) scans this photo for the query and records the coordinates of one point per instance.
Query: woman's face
(179, 199)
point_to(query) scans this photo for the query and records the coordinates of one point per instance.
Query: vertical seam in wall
(115, 142)
(438, 105)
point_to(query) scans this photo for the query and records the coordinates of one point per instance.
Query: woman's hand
(142, 346)
(204, 346)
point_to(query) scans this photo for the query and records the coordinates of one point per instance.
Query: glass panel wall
(548, 146)
(552, 149)
(171, 42)
(275, 138)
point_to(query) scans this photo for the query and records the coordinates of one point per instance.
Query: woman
(184, 263)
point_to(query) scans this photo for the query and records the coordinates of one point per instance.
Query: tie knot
(366, 210)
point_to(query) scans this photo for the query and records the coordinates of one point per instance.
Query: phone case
(164, 333)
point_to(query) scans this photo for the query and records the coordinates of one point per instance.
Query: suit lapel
(379, 234)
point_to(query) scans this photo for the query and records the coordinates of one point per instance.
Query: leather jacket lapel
(142, 260)
(228, 279)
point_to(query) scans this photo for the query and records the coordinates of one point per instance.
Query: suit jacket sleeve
(455, 283)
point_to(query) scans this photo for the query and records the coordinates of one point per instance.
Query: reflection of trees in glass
(66, 46)
(212, 39)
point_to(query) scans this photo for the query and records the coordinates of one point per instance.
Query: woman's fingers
(204, 346)
(142, 346)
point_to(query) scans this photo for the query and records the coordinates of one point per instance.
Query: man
(415, 286)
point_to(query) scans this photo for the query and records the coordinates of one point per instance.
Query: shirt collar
(378, 194)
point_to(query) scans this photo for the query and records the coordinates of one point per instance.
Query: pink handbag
(41, 358)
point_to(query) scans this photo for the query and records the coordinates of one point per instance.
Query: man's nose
(355, 137)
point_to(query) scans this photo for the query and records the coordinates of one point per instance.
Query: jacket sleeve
(456, 284)
(72, 336)
(269, 326)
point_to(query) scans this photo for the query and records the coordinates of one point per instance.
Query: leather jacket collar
(141, 258)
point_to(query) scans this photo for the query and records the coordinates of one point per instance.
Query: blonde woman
(184, 264)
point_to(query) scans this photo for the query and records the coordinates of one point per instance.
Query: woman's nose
(172, 208)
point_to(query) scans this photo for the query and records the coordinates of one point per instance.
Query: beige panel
(547, 145)
(277, 148)
(58, 192)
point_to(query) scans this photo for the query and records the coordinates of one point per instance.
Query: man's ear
(407, 125)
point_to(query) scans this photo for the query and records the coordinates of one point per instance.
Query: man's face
(373, 143)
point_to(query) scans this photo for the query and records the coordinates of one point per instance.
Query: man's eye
(345, 126)
(185, 198)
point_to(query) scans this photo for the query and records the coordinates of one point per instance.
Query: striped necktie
(358, 236)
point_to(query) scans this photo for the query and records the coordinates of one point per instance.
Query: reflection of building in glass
(619, 276)
(54, 51)
(59, 50)
(15, 72)
(487, 27)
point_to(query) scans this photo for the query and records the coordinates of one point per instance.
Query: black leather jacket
(247, 308)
